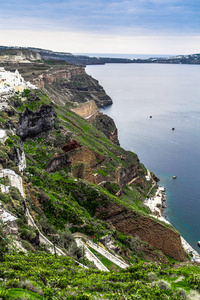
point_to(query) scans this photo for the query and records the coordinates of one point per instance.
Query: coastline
(156, 205)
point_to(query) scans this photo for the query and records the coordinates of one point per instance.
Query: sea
(170, 94)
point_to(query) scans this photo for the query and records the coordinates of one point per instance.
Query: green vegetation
(42, 276)
(34, 100)
(63, 200)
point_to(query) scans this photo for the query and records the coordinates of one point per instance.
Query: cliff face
(106, 125)
(82, 151)
(125, 175)
(72, 85)
(83, 161)
(147, 229)
(58, 162)
(51, 76)
(18, 156)
(90, 112)
(18, 56)
(33, 123)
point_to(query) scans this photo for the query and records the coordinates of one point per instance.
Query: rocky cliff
(90, 112)
(18, 156)
(71, 85)
(147, 229)
(106, 125)
(34, 123)
(75, 153)
(87, 110)
(18, 56)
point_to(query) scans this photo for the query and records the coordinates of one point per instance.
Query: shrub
(163, 285)
(29, 285)
(194, 280)
(9, 143)
(152, 277)
(48, 293)
(13, 283)
(27, 246)
(83, 297)
(181, 294)
(3, 244)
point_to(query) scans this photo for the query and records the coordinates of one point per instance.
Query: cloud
(85, 42)
(137, 26)
(160, 17)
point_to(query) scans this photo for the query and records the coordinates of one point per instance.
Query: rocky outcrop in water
(34, 123)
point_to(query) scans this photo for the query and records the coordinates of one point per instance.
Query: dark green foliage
(25, 93)
(194, 280)
(30, 234)
(3, 243)
(9, 143)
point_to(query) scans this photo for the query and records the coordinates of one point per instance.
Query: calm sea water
(129, 56)
(171, 95)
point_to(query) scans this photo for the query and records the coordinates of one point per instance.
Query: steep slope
(76, 173)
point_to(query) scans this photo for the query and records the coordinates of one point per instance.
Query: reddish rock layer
(147, 229)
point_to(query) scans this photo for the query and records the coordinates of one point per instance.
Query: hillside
(78, 181)
(32, 54)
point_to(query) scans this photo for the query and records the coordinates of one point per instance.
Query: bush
(152, 277)
(4, 198)
(83, 297)
(163, 285)
(9, 143)
(27, 246)
(181, 294)
(29, 285)
(3, 244)
(194, 280)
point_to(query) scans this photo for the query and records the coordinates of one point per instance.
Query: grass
(19, 293)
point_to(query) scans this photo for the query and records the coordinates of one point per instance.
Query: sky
(103, 26)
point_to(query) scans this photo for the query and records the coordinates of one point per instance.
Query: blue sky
(112, 26)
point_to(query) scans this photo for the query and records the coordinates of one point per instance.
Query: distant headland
(88, 60)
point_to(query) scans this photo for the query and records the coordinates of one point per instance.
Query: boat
(174, 177)
(198, 244)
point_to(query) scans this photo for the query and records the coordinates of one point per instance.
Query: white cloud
(80, 42)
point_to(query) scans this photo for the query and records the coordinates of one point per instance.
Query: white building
(11, 82)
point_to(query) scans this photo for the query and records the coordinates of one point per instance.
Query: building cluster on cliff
(11, 82)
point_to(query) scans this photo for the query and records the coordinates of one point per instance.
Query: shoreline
(156, 205)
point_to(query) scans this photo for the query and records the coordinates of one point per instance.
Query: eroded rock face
(33, 123)
(84, 160)
(58, 162)
(127, 174)
(109, 243)
(18, 156)
(71, 84)
(106, 125)
(87, 110)
(72, 145)
(147, 229)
